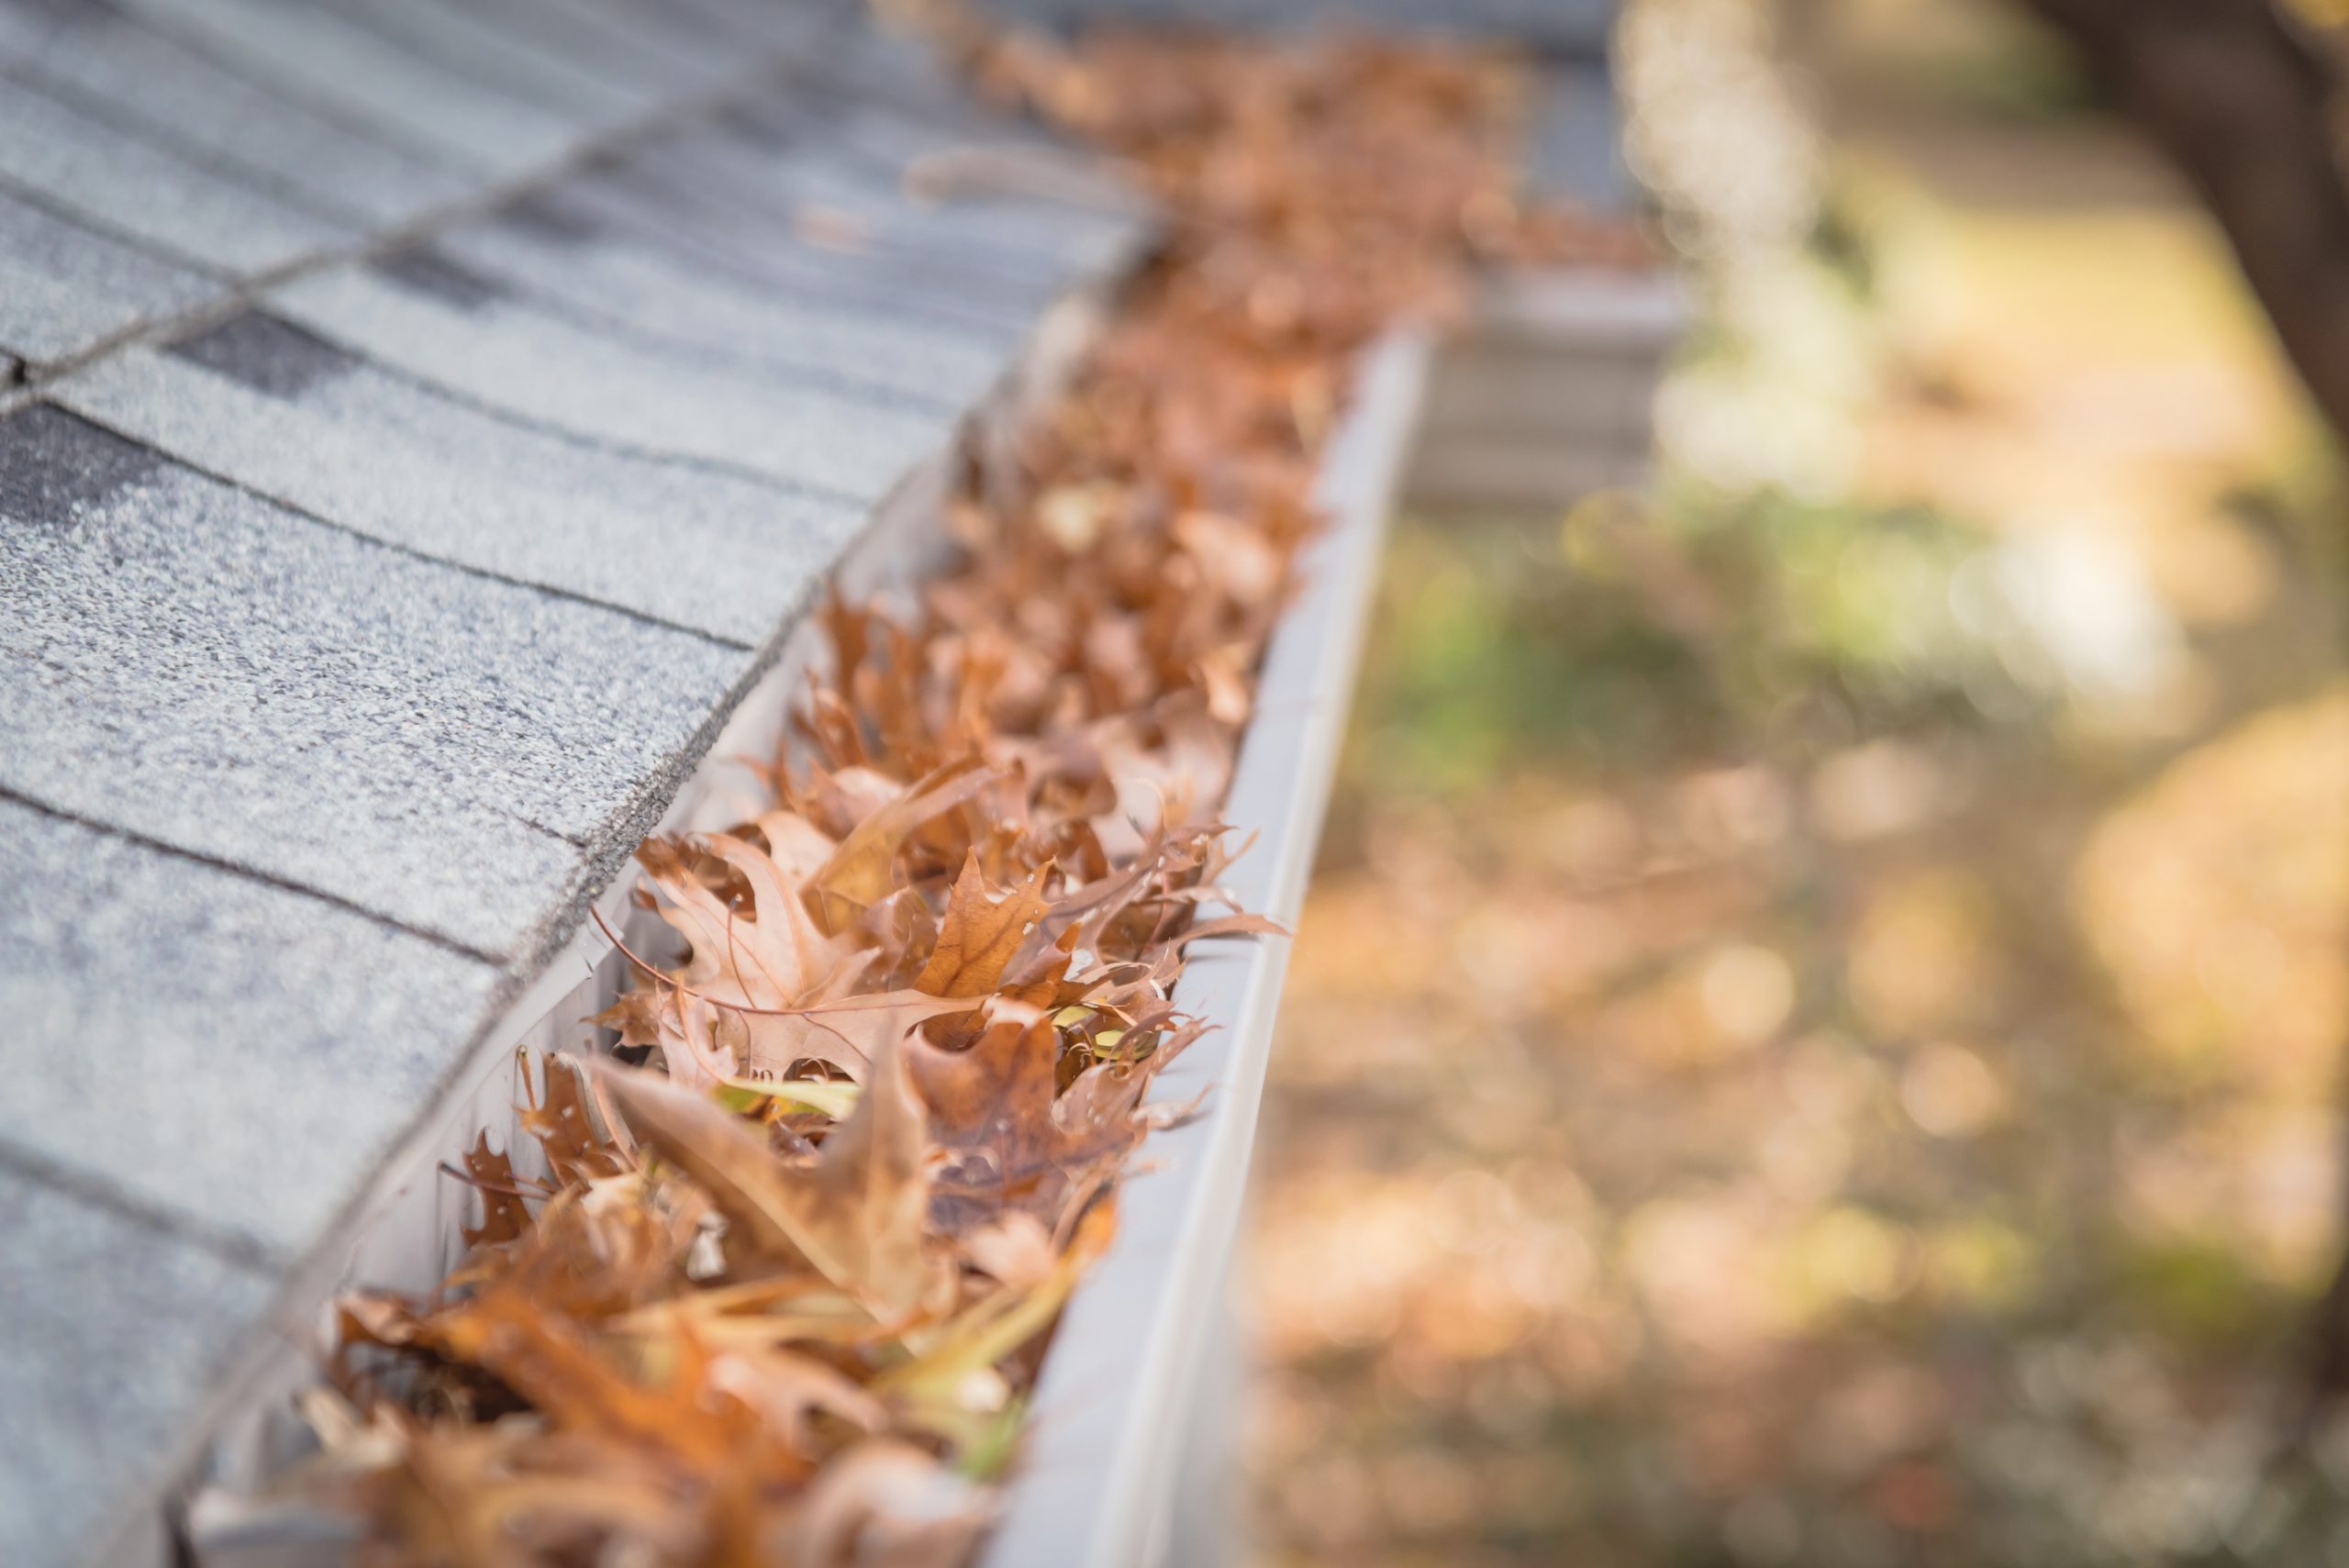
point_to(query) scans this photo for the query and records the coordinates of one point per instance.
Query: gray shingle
(888, 134)
(623, 279)
(189, 664)
(1019, 254)
(149, 195)
(889, 104)
(210, 1045)
(284, 414)
(316, 56)
(133, 77)
(806, 26)
(458, 42)
(608, 37)
(894, 66)
(509, 356)
(630, 196)
(790, 241)
(63, 289)
(113, 1331)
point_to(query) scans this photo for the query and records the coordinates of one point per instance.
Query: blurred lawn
(1816, 1036)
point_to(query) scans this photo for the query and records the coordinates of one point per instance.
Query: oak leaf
(504, 1216)
(862, 871)
(993, 1108)
(855, 1213)
(982, 932)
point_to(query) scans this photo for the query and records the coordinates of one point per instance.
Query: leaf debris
(783, 1295)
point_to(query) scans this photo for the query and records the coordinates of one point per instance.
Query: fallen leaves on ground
(792, 1275)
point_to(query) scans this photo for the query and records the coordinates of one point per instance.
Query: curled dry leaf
(1015, 1248)
(983, 929)
(504, 1216)
(861, 870)
(855, 1213)
(885, 1505)
(1013, 1142)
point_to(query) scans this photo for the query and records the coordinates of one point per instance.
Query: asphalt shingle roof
(419, 421)
(202, 668)
(63, 286)
(428, 318)
(167, 1058)
(158, 90)
(430, 415)
(265, 406)
(104, 1361)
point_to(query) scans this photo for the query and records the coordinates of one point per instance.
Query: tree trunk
(2242, 102)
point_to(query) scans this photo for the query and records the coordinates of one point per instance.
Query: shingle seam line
(153, 250)
(413, 552)
(877, 395)
(803, 488)
(230, 1246)
(994, 269)
(248, 177)
(977, 324)
(584, 842)
(239, 68)
(36, 389)
(249, 289)
(585, 23)
(252, 873)
(531, 95)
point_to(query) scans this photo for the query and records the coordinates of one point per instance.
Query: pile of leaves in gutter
(780, 1298)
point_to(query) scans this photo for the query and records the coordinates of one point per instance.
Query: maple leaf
(1231, 926)
(738, 1005)
(551, 1362)
(799, 845)
(779, 957)
(792, 1394)
(768, 1313)
(1015, 1249)
(467, 1496)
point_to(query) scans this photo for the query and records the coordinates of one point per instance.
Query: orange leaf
(982, 932)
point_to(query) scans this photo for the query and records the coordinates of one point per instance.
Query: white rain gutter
(1117, 1407)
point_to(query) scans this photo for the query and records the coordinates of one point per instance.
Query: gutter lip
(1106, 1435)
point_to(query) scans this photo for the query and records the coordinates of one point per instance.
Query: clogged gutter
(781, 1298)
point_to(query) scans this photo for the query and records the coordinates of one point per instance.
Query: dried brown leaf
(982, 932)
(854, 1213)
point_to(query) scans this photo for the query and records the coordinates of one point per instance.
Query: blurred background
(1816, 1035)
